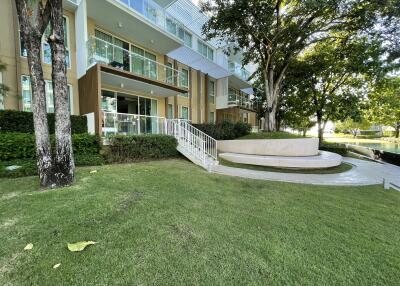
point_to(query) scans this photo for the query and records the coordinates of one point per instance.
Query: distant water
(388, 147)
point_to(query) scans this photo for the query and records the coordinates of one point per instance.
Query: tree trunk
(64, 161)
(271, 98)
(32, 38)
(397, 130)
(320, 130)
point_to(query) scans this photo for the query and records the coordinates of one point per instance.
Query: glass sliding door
(137, 59)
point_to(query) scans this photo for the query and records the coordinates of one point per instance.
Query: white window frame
(212, 95)
(47, 84)
(209, 52)
(213, 117)
(181, 112)
(188, 78)
(172, 109)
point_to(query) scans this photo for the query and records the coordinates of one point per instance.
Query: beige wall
(17, 65)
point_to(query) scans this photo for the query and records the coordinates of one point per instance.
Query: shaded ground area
(271, 135)
(171, 223)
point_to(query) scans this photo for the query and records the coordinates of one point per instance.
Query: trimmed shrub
(369, 132)
(124, 148)
(22, 122)
(334, 148)
(389, 133)
(225, 130)
(22, 145)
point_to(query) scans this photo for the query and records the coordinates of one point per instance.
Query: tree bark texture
(32, 33)
(64, 161)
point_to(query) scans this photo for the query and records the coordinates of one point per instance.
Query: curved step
(323, 160)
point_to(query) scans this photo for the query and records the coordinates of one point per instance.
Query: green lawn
(344, 167)
(271, 135)
(171, 223)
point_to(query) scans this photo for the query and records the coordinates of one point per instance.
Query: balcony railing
(239, 71)
(131, 124)
(235, 100)
(100, 51)
(158, 16)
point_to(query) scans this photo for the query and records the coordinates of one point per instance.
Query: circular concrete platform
(322, 160)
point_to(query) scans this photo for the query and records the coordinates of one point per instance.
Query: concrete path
(363, 173)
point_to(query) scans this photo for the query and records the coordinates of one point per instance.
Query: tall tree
(329, 81)
(34, 17)
(384, 104)
(272, 33)
(64, 161)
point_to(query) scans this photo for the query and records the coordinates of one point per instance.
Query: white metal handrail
(193, 143)
(199, 144)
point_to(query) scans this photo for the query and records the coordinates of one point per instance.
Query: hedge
(225, 130)
(337, 148)
(22, 122)
(22, 145)
(124, 148)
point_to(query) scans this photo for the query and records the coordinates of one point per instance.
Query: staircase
(194, 144)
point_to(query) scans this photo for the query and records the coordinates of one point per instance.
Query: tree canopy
(272, 33)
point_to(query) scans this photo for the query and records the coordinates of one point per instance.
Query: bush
(22, 122)
(225, 130)
(22, 145)
(334, 148)
(124, 148)
(369, 132)
(389, 133)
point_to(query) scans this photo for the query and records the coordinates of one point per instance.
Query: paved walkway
(363, 173)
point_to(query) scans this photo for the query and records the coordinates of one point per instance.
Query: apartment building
(132, 63)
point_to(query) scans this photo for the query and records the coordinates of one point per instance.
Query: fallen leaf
(29, 246)
(56, 265)
(93, 171)
(79, 246)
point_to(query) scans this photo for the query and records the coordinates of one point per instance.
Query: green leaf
(79, 246)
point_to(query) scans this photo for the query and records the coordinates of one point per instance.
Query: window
(170, 114)
(185, 112)
(184, 78)
(171, 25)
(185, 36)
(212, 117)
(111, 50)
(212, 91)
(231, 96)
(205, 50)
(27, 95)
(169, 75)
(46, 47)
(143, 62)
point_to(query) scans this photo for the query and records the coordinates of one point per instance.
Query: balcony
(143, 21)
(158, 16)
(131, 124)
(240, 101)
(239, 76)
(149, 76)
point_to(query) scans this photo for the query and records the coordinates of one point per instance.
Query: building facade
(130, 63)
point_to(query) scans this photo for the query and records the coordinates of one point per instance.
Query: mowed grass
(171, 223)
(271, 135)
